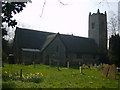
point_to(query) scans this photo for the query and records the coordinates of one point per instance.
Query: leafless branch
(113, 24)
(43, 8)
(62, 2)
(45, 3)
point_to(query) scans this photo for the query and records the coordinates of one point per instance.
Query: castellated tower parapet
(98, 30)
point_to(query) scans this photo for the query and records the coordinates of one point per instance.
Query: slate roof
(33, 39)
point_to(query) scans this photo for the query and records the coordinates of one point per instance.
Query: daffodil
(37, 73)
(10, 75)
(5, 72)
(41, 74)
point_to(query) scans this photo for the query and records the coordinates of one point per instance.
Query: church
(39, 47)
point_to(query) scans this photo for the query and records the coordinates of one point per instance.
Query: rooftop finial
(105, 13)
(89, 13)
(98, 11)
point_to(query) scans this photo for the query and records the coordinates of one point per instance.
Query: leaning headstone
(112, 71)
(105, 70)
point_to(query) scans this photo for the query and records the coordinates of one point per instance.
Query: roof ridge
(49, 40)
(49, 32)
(34, 30)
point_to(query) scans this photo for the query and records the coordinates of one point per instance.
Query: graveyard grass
(63, 78)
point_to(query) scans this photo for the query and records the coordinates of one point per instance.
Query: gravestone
(80, 69)
(68, 64)
(112, 71)
(105, 70)
(95, 65)
(79, 63)
(91, 65)
(83, 65)
(98, 67)
(88, 65)
(20, 73)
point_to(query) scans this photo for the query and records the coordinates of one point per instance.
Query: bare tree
(112, 23)
(45, 4)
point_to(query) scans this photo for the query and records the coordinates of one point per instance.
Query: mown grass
(63, 78)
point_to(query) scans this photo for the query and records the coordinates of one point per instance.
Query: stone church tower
(98, 30)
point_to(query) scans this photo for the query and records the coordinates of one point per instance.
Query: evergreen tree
(114, 49)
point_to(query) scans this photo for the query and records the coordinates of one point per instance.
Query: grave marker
(112, 71)
(80, 69)
(21, 73)
(68, 64)
(91, 65)
(83, 65)
(105, 70)
(95, 65)
(98, 67)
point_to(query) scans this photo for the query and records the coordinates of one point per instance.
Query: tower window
(93, 25)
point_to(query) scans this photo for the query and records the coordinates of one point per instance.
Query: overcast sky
(71, 18)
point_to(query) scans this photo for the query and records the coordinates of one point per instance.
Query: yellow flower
(37, 73)
(5, 72)
(41, 74)
(10, 75)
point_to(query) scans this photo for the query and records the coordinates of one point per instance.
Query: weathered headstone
(105, 70)
(98, 67)
(34, 64)
(80, 69)
(95, 65)
(88, 65)
(91, 65)
(83, 65)
(68, 64)
(112, 71)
